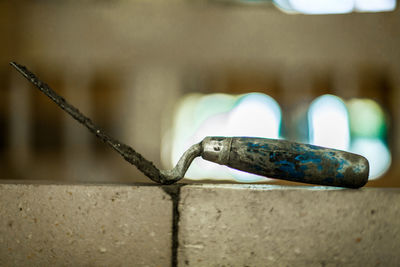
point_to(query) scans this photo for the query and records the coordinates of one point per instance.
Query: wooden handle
(288, 160)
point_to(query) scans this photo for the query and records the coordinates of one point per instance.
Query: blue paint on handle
(302, 160)
(289, 168)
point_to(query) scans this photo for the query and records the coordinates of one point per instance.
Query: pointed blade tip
(20, 68)
(14, 64)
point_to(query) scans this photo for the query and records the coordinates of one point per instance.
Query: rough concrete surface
(84, 225)
(257, 225)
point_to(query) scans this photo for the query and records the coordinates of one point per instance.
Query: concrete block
(258, 225)
(84, 225)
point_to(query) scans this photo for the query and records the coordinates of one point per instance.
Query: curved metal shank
(288, 160)
(177, 173)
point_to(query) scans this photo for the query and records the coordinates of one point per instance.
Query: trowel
(271, 158)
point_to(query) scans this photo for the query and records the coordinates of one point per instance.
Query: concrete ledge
(229, 225)
(84, 225)
(197, 225)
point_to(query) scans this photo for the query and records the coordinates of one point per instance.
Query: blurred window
(334, 6)
(199, 116)
(329, 122)
(369, 134)
(374, 5)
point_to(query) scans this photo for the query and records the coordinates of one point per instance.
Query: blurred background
(161, 75)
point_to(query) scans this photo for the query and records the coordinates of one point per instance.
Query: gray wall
(127, 63)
